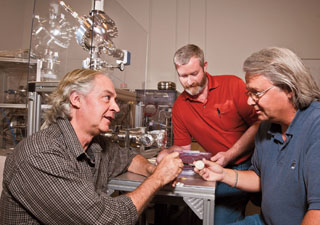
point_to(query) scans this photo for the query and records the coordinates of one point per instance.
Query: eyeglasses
(257, 95)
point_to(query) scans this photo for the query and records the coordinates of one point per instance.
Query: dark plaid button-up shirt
(49, 179)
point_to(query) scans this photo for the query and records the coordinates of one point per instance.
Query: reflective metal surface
(51, 34)
(166, 85)
(95, 34)
(156, 107)
(138, 137)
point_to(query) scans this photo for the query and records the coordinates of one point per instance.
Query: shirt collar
(275, 129)
(72, 140)
(275, 132)
(212, 83)
(70, 136)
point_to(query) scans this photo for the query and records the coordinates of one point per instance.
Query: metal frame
(198, 194)
(19, 64)
(34, 103)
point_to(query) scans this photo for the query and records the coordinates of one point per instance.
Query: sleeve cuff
(129, 209)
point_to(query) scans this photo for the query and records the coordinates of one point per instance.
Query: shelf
(13, 106)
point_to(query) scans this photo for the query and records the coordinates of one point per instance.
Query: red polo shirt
(220, 122)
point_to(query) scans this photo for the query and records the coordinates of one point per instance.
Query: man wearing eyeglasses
(213, 110)
(256, 95)
(286, 161)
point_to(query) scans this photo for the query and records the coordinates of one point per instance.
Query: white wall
(15, 15)
(229, 31)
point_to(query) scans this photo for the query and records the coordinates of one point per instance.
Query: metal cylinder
(166, 85)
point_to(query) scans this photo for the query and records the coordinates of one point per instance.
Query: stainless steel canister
(166, 85)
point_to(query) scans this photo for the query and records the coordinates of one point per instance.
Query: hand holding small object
(199, 164)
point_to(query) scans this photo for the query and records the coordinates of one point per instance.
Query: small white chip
(179, 184)
(199, 164)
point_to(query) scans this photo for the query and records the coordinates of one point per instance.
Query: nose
(115, 107)
(250, 101)
(190, 80)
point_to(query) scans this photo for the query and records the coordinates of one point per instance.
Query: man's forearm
(141, 165)
(245, 142)
(244, 180)
(312, 217)
(143, 194)
(168, 169)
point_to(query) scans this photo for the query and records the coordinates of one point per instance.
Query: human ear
(205, 65)
(289, 94)
(75, 99)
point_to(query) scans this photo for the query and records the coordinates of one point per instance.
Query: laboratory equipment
(14, 73)
(95, 34)
(51, 34)
(155, 110)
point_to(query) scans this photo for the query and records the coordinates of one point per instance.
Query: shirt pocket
(229, 117)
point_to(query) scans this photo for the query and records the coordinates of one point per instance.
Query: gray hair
(185, 53)
(286, 71)
(79, 80)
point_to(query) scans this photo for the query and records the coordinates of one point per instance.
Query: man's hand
(175, 148)
(221, 158)
(141, 165)
(168, 169)
(162, 154)
(212, 171)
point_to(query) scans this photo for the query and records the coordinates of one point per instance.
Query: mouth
(110, 118)
(192, 86)
(259, 111)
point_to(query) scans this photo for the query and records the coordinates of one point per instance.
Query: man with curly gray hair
(286, 160)
(59, 175)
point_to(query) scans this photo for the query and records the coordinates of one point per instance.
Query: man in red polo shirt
(213, 110)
